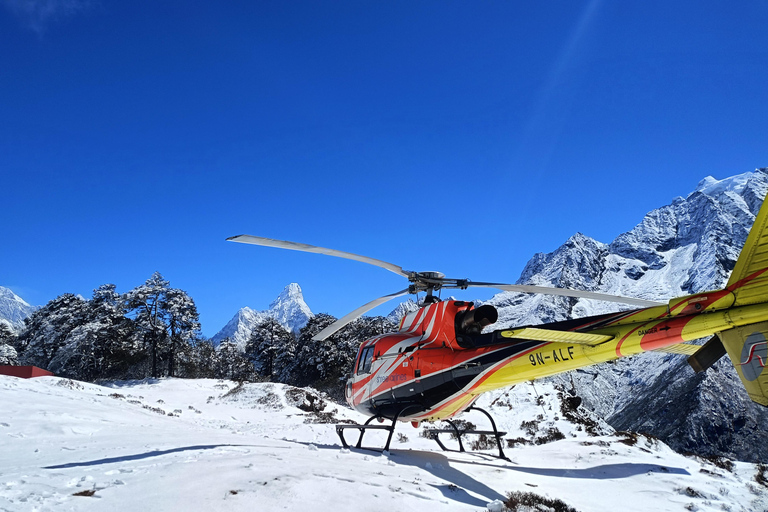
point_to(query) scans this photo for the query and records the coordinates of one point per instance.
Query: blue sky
(454, 136)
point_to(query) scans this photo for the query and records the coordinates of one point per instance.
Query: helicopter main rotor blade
(354, 315)
(295, 246)
(565, 292)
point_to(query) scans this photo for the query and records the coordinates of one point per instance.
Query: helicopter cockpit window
(364, 365)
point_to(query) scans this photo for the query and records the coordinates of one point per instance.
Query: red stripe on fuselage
(462, 393)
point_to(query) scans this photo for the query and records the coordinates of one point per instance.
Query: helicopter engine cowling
(470, 324)
(474, 320)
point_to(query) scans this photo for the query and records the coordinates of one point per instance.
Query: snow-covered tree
(8, 355)
(47, 329)
(115, 347)
(267, 339)
(147, 304)
(310, 355)
(7, 337)
(166, 322)
(231, 363)
(324, 364)
(87, 340)
(183, 324)
(201, 361)
(102, 345)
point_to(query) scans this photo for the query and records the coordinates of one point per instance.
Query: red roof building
(25, 372)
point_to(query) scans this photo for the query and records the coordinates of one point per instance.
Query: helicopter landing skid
(367, 426)
(458, 433)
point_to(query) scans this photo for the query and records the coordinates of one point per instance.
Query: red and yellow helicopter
(441, 358)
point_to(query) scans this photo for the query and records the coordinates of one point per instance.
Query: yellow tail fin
(749, 279)
(747, 346)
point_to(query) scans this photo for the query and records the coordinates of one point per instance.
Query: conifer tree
(267, 340)
(147, 304)
(8, 355)
(102, 346)
(183, 324)
(47, 329)
(202, 361)
(231, 364)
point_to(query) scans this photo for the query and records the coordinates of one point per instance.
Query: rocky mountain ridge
(688, 246)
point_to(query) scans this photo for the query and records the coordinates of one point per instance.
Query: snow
(213, 445)
(710, 186)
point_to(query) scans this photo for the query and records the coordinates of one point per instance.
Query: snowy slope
(13, 309)
(289, 309)
(688, 246)
(209, 445)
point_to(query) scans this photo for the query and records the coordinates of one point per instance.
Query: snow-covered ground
(211, 445)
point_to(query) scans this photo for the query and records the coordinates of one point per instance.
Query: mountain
(13, 309)
(401, 310)
(688, 246)
(289, 309)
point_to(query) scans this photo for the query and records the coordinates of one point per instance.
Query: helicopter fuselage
(432, 369)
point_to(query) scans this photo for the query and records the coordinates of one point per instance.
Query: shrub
(528, 501)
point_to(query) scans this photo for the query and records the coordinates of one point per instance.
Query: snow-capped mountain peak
(289, 309)
(401, 310)
(712, 187)
(13, 309)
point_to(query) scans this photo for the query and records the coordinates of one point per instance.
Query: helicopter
(443, 355)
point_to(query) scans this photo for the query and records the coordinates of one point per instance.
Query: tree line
(154, 331)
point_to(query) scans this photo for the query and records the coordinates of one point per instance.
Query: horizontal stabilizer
(747, 347)
(535, 334)
(683, 349)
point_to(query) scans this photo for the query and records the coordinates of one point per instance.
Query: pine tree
(7, 337)
(103, 345)
(284, 360)
(8, 355)
(147, 304)
(47, 329)
(308, 364)
(183, 324)
(202, 362)
(114, 344)
(231, 364)
(324, 364)
(267, 340)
